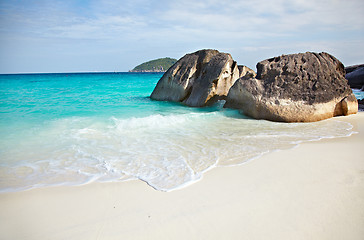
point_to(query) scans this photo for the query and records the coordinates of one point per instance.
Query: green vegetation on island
(157, 65)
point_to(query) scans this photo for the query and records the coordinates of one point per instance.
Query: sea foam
(165, 151)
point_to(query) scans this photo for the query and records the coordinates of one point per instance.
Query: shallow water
(358, 93)
(70, 129)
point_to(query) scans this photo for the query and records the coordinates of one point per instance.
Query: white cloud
(101, 27)
(258, 28)
(239, 19)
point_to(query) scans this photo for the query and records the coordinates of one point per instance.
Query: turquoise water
(358, 94)
(71, 129)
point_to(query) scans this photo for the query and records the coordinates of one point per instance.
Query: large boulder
(302, 87)
(198, 79)
(355, 76)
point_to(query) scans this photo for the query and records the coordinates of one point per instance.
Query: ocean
(76, 128)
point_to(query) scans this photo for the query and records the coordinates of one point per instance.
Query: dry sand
(314, 191)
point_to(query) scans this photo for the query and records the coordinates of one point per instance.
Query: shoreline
(312, 191)
(199, 177)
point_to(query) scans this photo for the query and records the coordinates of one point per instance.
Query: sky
(107, 35)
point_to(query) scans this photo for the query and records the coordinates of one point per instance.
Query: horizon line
(15, 73)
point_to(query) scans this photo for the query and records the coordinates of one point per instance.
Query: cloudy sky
(110, 35)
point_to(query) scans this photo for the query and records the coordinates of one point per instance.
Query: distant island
(157, 65)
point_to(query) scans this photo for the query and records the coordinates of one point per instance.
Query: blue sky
(106, 35)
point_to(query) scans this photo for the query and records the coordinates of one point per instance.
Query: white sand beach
(313, 191)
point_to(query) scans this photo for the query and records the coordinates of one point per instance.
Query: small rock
(356, 77)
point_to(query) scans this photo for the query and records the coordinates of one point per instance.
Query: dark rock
(349, 69)
(300, 87)
(355, 76)
(198, 79)
(361, 104)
